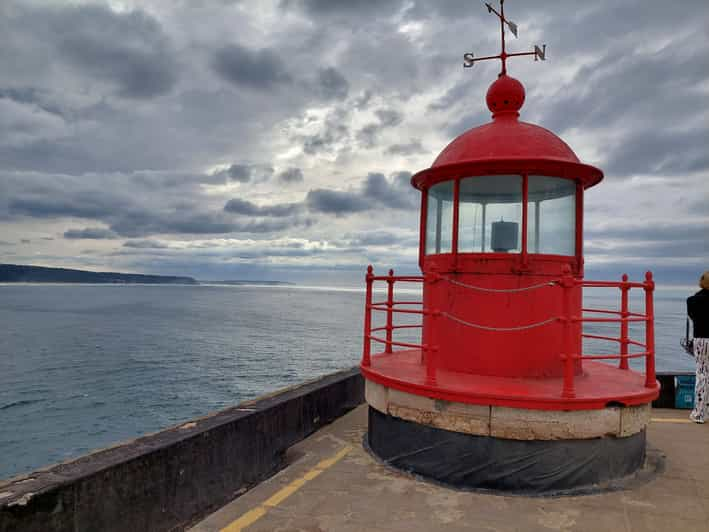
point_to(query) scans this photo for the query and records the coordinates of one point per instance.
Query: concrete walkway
(333, 484)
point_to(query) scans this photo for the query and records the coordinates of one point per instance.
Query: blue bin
(684, 392)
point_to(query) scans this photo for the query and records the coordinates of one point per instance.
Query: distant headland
(15, 273)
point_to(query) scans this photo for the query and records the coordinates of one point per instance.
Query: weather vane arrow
(469, 59)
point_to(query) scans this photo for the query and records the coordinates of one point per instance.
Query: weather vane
(539, 53)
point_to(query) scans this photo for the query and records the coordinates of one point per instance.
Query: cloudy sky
(275, 139)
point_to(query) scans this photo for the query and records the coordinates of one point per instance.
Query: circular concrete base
(530, 467)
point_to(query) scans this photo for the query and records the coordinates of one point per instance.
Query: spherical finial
(505, 96)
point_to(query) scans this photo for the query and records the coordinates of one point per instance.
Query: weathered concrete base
(520, 466)
(169, 479)
(508, 423)
(511, 449)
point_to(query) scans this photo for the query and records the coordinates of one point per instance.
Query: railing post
(649, 287)
(430, 345)
(366, 353)
(624, 289)
(390, 313)
(568, 356)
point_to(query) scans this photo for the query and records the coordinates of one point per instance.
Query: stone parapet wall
(167, 480)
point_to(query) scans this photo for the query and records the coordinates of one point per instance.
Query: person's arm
(691, 307)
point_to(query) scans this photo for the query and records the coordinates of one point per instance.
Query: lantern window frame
(523, 256)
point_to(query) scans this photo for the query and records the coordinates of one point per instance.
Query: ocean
(86, 366)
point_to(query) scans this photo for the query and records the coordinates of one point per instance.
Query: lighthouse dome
(505, 137)
(507, 144)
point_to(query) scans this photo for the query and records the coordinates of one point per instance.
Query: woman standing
(698, 311)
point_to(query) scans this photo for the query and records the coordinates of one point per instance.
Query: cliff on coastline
(15, 273)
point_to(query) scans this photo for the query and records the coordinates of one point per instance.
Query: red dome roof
(505, 138)
(506, 143)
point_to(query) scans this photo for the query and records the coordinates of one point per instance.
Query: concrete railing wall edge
(166, 480)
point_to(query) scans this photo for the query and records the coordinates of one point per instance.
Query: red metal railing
(569, 357)
(388, 306)
(623, 317)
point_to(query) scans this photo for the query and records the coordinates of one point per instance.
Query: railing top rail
(399, 303)
(602, 311)
(384, 327)
(608, 311)
(398, 278)
(385, 308)
(610, 284)
(613, 356)
(611, 320)
(392, 342)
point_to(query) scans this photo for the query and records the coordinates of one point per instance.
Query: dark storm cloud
(89, 233)
(685, 230)
(396, 193)
(332, 85)
(343, 7)
(247, 208)
(410, 148)
(662, 152)
(376, 191)
(389, 117)
(600, 93)
(369, 134)
(240, 173)
(138, 74)
(256, 69)
(129, 50)
(144, 224)
(656, 242)
(31, 96)
(333, 131)
(335, 202)
(77, 204)
(291, 175)
(647, 97)
(145, 244)
(138, 212)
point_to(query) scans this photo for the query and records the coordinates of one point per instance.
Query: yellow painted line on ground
(670, 420)
(277, 498)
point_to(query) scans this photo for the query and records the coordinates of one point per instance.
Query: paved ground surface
(333, 484)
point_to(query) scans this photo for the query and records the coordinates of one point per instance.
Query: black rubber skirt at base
(514, 466)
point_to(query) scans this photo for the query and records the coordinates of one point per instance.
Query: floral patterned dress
(700, 414)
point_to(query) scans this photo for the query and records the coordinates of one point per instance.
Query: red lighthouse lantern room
(498, 392)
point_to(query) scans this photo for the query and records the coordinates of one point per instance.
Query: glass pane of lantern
(551, 228)
(439, 218)
(490, 214)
